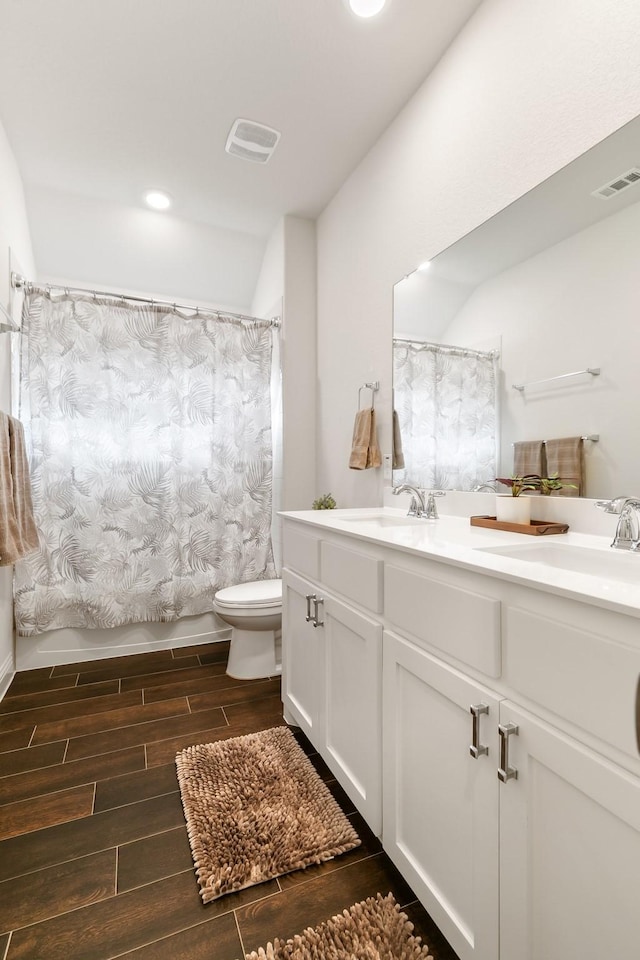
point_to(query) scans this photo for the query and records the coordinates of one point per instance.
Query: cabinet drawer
(352, 574)
(301, 551)
(456, 620)
(583, 675)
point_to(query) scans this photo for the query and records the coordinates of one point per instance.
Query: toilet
(254, 611)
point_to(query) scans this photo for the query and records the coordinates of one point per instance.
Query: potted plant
(511, 507)
(325, 502)
(547, 485)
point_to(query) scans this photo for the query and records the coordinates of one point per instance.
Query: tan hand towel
(565, 459)
(22, 501)
(397, 459)
(18, 534)
(374, 457)
(527, 458)
(365, 452)
(10, 540)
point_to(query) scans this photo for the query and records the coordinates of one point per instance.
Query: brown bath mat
(375, 928)
(255, 809)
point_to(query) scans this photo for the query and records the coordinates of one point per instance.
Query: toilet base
(252, 655)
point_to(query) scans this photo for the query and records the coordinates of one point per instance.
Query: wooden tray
(537, 528)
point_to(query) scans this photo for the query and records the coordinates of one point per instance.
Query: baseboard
(77, 646)
(7, 673)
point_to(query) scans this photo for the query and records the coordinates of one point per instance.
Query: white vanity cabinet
(440, 792)
(509, 765)
(332, 667)
(569, 848)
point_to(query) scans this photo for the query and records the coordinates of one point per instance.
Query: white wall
(524, 89)
(576, 305)
(131, 248)
(14, 235)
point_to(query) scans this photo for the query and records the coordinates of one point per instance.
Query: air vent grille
(614, 187)
(252, 141)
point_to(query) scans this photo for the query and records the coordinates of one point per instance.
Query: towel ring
(374, 385)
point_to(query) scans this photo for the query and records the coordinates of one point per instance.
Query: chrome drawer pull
(477, 749)
(505, 772)
(309, 597)
(316, 603)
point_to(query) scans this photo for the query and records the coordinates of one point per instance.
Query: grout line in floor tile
(115, 872)
(237, 922)
(64, 755)
(93, 801)
(33, 733)
(146, 760)
(6, 950)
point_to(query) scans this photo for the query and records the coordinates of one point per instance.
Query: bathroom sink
(605, 564)
(383, 522)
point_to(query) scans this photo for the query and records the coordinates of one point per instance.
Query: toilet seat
(255, 594)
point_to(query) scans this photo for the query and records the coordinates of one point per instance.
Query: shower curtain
(149, 438)
(446, 401)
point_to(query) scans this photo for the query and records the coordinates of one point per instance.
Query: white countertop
(452, 540)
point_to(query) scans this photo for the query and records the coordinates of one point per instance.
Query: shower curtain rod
(19, 282)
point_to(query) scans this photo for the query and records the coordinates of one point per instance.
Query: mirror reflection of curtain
(149, 435)
(446, 401)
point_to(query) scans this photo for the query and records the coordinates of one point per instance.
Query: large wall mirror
(495, 337)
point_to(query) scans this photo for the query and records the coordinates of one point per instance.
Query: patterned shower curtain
(446, 401)
(149, 437)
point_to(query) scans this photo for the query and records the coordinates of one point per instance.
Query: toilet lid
(257, 593)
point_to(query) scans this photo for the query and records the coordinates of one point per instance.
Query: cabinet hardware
(505, 772)
(309, 597)
(477, 749)
(316, 603)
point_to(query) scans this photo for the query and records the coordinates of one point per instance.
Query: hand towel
(365, 452)
(18, 533)
(10, 541)
(565, 459)
(527, 458)
(397, 459)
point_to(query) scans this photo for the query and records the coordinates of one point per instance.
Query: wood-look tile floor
(94, 856)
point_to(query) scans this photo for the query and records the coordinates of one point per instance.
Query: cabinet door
(301, 650)
(569, 849)
(351, 714)
(440, 803)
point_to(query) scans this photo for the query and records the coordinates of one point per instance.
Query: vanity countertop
(575, 565)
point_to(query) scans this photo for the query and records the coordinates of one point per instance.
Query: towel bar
(374, 386)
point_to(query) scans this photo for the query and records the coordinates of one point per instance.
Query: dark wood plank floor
(94, 856)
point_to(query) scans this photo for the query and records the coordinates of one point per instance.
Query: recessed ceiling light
(157, 199)
(366, 8)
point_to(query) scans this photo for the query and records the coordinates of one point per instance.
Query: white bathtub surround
(77, 645)
(474, 692)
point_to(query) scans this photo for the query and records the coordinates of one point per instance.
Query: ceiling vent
(614, 187)
(251, 141)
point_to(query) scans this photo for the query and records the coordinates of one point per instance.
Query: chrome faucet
(612, 506)
(627, 535)
(485, 486)
(418, 508)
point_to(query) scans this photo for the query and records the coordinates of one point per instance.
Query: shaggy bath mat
(375, 929)
(255, 809)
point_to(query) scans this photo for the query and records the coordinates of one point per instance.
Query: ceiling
(104, 98)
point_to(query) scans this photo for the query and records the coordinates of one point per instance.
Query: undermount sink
(607, 565)
(384, 521)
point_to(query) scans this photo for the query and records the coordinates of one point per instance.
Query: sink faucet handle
(431, 510)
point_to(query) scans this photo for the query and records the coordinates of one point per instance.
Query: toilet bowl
(254, 611)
